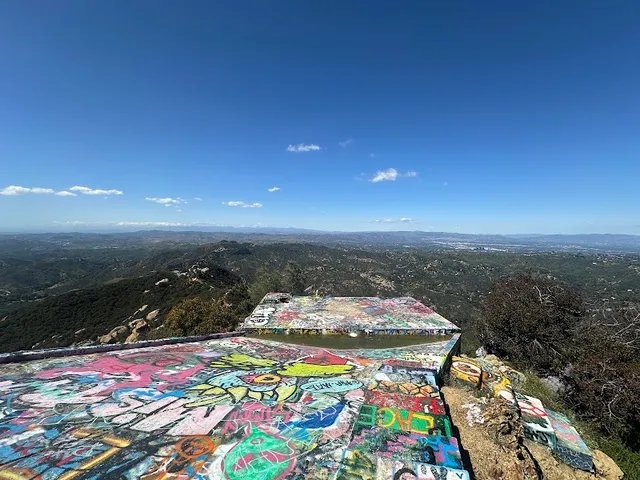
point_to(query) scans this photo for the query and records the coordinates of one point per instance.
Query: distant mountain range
(396, 239)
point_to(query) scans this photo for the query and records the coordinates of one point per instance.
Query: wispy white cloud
(94, 191)
(77, 223)
(395, 220)
(13, 190)
(274, 189)
(166, 201)
(152, 224)
(348, 142)
(303, 147)
(74, 223)
(70, 192)
(390, 175)
(243, 204)
(156, 224)
(18, 190)
(197, 199)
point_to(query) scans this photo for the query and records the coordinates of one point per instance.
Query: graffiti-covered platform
(284, 313)
(233, 408)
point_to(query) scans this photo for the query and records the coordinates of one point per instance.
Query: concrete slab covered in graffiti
(231, 408)
(362, 465)
(569, 446)
(283, 313)
(431, 356)
(534, 418)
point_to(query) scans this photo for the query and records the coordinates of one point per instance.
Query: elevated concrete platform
(231, 408)
(283, 313)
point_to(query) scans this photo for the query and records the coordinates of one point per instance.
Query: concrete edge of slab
(27, 355)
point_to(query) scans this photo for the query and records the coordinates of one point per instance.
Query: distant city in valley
(399, 239)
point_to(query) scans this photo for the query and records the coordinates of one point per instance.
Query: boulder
(133, 324)
(115, 335)
(494, 447)
(133, 337)
(152, 315)
(137, 327)
(605, 467)
(503, 424)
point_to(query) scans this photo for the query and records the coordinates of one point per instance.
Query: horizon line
(184, 228)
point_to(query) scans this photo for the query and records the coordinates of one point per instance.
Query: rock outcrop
(133, 329)
(499, 450)
(605, 467)
(118, 334)
(137, 328)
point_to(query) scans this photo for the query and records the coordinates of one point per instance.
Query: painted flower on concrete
(268, 380)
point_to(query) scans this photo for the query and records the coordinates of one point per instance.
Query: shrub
(606, 374)
(197, 316)
(530, 321)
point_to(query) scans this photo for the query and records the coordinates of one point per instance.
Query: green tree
(198, 316)
(530, 321)
(294, 279)
(266, 281)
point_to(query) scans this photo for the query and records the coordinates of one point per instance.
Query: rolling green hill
(85, 314)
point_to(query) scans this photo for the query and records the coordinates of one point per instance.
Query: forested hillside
(86, 314)
(106, 284)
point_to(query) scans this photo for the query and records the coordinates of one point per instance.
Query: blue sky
(480, 117)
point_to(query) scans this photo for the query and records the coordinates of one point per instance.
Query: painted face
(467, 368)
(258, 384)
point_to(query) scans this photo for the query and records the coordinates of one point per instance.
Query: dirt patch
(497, 449)
(494, 446)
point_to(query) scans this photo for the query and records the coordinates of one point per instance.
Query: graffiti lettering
(398, 444)
(434, 406)
(331, 385)
(399, 419)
